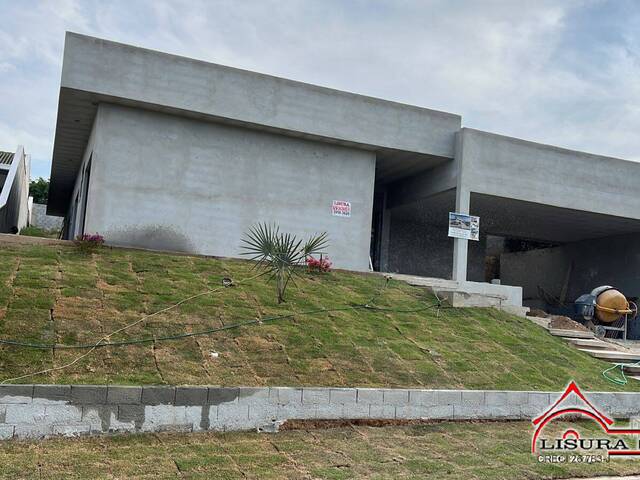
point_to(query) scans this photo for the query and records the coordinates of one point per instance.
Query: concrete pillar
(463, 200)
(384, 236)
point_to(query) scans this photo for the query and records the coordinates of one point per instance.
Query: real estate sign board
(464, 226)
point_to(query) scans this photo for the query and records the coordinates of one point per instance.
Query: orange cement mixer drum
(611, 305)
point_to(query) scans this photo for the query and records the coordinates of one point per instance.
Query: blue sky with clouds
(561, 72)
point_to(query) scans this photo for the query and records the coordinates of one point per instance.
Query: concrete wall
(40, 219)
(14, 196)
(166, 182)
(591, 263)
(513, 168)
(36, 411)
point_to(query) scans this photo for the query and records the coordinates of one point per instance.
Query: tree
(39, 190)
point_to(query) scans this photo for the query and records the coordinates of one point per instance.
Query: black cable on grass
(122, 343)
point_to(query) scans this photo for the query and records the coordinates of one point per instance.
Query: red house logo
(573, 403)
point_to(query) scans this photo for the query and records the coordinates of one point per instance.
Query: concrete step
(571, 333)
(614, 356)
(592, 343)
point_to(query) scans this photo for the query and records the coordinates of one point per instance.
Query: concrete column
(463, 200)
(384, 236)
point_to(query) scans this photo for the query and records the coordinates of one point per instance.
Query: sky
(562, 72)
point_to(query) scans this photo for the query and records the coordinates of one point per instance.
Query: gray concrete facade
(160, 151)
(14, 193)
(40, 219)
(39, 411)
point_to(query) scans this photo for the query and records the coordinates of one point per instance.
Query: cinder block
(289, 395)
(297, 411)
(192, 395)
(263, 412)
(51, 394)
(16, 393)
(496, 398)
(234, 417)
(422, 397)
(131, 413)
(123, 395)
(59, 414)
(330, 411)
(6, 432)
(539, 399)
(315, 395)
(448, 397)
(470, 412)
(158, 417)
(25, 413)
(255, 395)
(395, 396)
(420, 412)
(30, 431)
(343, 395)
(370, 396)
(382, 412)
(223, 395)
(517, 398)
(158, 395)
(98, 416)
(473, 397)
(355, 411)
(72, 430)
(89, 394)
(193, 415)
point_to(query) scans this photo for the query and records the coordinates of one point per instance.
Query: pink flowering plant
(89, 242)
(320, 265)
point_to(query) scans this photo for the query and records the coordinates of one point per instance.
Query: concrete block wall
(40, 219)
(38, 411)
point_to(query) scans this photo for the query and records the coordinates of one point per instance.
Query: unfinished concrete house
(166, 152)
(14, 190)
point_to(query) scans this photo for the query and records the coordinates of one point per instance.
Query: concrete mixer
(607, 310)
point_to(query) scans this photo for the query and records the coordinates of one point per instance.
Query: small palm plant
(280, 254)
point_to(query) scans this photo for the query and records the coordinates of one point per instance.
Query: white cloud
(536, 70)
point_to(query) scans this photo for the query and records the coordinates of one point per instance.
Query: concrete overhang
(96, 70)
(518, 219)
(506, 167)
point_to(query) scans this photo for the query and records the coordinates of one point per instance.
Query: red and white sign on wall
(340, 208)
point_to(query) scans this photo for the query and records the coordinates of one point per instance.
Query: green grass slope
(55, 294)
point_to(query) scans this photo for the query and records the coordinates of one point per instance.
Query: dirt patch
(565, 323)
(326, 424)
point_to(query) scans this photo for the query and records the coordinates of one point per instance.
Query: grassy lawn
(435, 451)
(56, 294)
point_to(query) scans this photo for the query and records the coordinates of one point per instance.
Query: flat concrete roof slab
(96, 70)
